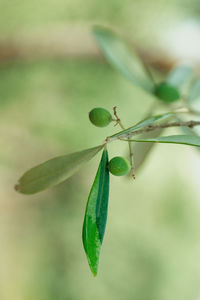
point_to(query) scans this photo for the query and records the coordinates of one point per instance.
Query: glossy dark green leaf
(54, 171)
(179, 76)
(96, 214)
(190, 140)
(142, 124)
(122, 58)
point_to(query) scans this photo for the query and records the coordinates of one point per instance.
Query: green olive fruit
(166, 92)
(100, 117)
(119, 166)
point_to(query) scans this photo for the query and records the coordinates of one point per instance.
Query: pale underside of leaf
(190, 140)
(193, 98)
(188, 131)
(54, 171)
(142, 150)
(142, 124)
(122, 58)
(179, 75)
(194, 93)
(96, 215)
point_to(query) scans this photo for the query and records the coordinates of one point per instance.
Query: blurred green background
(51, 75)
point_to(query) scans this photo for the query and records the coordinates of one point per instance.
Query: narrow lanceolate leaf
(190, 140)
(122, 58)
(142, 124)
(194, 95)
(142, 150)
(179, 75)
(96, 214)
(54, 171)
(188, 131)
(184, 129)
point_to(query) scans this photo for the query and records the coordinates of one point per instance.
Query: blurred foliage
(151, 248)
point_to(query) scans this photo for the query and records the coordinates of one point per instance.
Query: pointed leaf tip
(16, 187)
(126, 61)
(54, 171)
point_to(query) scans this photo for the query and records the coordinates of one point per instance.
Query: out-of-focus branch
(64, 43)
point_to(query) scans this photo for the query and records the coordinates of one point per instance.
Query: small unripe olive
(119, 166)
(100, 117)
(167, 92)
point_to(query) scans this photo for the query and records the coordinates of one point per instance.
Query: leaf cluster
(59, 169)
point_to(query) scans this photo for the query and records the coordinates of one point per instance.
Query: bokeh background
(51, 75)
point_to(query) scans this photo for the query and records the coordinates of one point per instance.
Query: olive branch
(56, 170)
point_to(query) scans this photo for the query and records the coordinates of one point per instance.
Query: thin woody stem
(189, 124)
(129, 143)
(131, 159)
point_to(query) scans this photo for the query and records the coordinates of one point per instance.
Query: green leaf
(195, 90)
(96, 214)
(122, 58)
(194, 94)
(190, 140)
(141, 124)
(184, 129)
(54, 171)
(188, 131)
(142, 150)
(179, 76)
